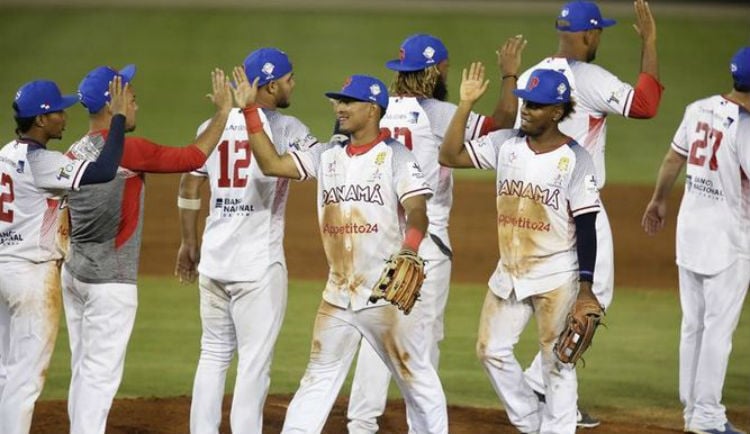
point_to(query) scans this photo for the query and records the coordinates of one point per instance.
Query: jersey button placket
(346, 209)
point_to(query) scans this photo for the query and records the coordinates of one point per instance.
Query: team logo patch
(728, 122)
(268, 68)
(733, 67)
(66, 171)
(590, 185)
(564, 13)
(401, 54)
(45, 106)
(534, 82)
(18, 94)
(20, 166)
(561, 90)
(562, 165)
(594, 21)
(347, 82)
(375, 90)
(413, 117)
(428, 54)
(380, 158)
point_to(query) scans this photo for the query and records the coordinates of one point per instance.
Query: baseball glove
(400, 281)
(579, 330)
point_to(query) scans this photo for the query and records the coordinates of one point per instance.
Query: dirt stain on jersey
(52, 308)
(338, 247)
(518, 241)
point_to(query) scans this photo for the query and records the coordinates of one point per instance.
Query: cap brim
(339, 95)
(529, 96)
(606, 22)
(128, 72)
(397, 65)
(65, 102)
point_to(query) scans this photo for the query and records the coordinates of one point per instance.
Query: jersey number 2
(702, 143)
(6, 215)
(239, 163)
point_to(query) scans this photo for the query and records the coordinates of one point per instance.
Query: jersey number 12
(241, 160)
(6, 215)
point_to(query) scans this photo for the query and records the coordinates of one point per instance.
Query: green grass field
(633, 364)
(176, 48)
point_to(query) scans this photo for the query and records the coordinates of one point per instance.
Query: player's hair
(568, 109)
(22, 124)
(416, 83)
(741, 88)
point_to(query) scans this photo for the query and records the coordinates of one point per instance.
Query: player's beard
(440, 92)
(283, 104)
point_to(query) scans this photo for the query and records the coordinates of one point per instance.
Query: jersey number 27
(697, 157)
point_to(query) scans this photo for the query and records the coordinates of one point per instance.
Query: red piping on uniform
(352, 150)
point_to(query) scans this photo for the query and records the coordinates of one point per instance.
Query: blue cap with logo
(418, 52)
(579, 16)
(41, 97)
(545, 86)
(363, 88)
(740, 67)
(94, 88)
(267, 64)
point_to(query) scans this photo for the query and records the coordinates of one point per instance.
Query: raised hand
(473, 84)
(244, 92)
(654, 217)
(221, 94)
(509, 55)
(644, 21)
(118, 94)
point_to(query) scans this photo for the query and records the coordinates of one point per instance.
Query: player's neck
(99, 121)
(571, 49)
(265, 101)
(547, 141)
(740, 98)
(35, 135)
(364, 137)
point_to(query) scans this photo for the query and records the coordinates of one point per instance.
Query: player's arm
(509, 63)
(656, 210)
(189, 204)
(264, 151)
(415, 210)
(584, 203)
(453, 153)
(648, 90)
(222, 99)
(104, 168)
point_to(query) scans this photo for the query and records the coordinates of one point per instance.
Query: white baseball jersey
(712, 226)
(32, 180)
(359, 212)
(537, 197)
(597, 93)
(420, 124)
(244, 231)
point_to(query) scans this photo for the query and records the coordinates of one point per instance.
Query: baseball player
(371, 202)
(713, 246)
(99, 275)
(243, 275)
(418, 116)
(598, 93)
(547, 201)
(33, 181)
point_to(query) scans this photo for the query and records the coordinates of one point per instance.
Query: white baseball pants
(369, 393)
(711, 307)
(244, 317)
(402, 341)
(29, 321)
(100, 318)
(604, 284)
(500, 327)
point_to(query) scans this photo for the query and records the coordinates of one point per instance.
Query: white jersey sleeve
(583, 191)
(408, 178)
(54, 171)
(680, 140)
(203, 170)
(308, 160)
(600, 90)
(484, 151)
(743, 143)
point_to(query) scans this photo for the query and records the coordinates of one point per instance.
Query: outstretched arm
(189, 204)
(222, 99)
(473, 85)
(509, 62)
(656, 211)
(269, 160)
(648, 90)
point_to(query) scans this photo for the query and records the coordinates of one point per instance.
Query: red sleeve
(646, 98)
(142, 155)
(487, 126)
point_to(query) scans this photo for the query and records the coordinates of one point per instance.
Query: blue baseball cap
(740, 67)
(545, 86)
(418, 52)
(363, 88)
(41, 97)
(579, 16)
(94, 88)
(267, 64)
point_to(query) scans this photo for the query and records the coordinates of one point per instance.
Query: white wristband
(183, 203)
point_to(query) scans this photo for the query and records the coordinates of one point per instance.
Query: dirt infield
(640, 262)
